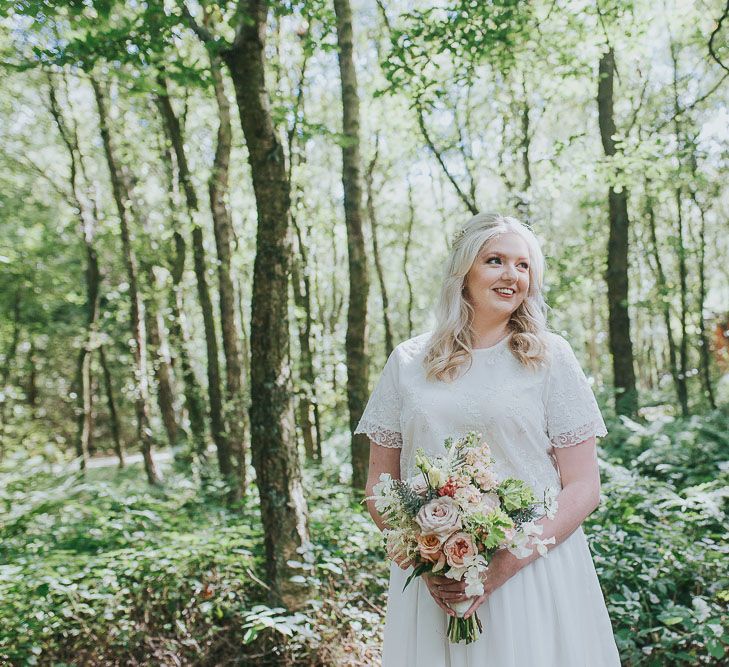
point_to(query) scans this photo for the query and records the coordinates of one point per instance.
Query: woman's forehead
(509, 244)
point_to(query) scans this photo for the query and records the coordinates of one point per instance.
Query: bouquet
(455, 515)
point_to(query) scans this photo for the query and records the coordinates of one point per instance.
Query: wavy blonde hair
(451, 344)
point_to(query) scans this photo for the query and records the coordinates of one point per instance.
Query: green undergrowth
(108, 571)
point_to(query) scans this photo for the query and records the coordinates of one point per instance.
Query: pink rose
(458, 547)
(439, 517)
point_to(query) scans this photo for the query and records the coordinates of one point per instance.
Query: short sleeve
(571, 411)
(381, 418)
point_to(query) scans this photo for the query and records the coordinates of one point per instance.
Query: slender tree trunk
(161, 363)
(683, 292)
(217, 422)
(621, 345)
(113, 418)
(369, 179)
(703, 334)
(356, 338)
(236, 416)
(664, 296)
(139, 334)
(194, 402)
(273, 444)
(7, 365)
(307, 407)
(680, 249)
(406, 257)
(87, 224)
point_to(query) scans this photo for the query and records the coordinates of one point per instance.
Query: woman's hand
(501, 568)
(403, 561)
(445, 590)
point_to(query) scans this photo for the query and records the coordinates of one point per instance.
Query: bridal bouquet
(454, 515)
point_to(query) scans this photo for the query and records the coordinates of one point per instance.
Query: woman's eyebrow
(500, 254)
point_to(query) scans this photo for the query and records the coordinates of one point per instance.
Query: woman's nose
(509, 271)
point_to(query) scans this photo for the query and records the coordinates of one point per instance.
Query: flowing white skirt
(550, 614)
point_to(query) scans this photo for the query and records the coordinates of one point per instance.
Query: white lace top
(522, 413)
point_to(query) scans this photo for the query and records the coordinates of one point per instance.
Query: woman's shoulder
(413, 348)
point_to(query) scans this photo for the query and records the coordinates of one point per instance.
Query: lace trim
(578, 435)
(379, 435)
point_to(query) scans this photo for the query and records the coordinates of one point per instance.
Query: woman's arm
(579, 497)
(382, 459)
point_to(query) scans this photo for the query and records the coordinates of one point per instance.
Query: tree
(616, 276)
(356, 339)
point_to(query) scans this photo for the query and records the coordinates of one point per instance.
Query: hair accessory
(458, 235)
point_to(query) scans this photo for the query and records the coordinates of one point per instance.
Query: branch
(714, 34)
(205, 36)
(470, 205)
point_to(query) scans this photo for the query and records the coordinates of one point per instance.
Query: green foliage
(96, 568)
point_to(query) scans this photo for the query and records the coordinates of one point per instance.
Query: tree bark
(236, 416)
(139, 334)
(356, 338)
(87, 224)
(679, 381)
(194, 402)
(273, 444)
(703, 334)
(113, 418)
(621, 345)
(371, 214)
(217, 422)
(406, 257)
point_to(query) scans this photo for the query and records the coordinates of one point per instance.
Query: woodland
(217, 220)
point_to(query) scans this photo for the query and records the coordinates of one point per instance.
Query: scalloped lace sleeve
(571, 411)
(380, 420)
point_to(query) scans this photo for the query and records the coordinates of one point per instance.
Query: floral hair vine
(458, 236)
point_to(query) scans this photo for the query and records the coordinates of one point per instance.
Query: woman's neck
(488, 334)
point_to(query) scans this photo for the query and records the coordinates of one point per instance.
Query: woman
(491, 366)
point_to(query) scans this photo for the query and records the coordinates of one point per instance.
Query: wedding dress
(552, 612)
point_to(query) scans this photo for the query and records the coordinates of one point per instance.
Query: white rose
(439, 517)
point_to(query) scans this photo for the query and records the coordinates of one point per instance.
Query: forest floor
(103, 570)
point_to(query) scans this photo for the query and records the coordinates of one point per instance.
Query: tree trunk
(406, 257)
(113, 418)
(703, 334)
(194, 402)
(308, 408)
(679, 381)
(217, 422)
(236, 417)
(682, 316)
(356, 338)
(7, 365)
(621, 346)
(161, 363)
(139, 335)
(273, 445)
(87, 224)
(369, 179)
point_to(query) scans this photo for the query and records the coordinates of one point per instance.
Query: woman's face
(498, 281)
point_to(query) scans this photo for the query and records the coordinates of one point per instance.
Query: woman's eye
(525, 265)
(491, 259)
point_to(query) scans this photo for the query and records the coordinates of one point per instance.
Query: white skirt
(550, 614)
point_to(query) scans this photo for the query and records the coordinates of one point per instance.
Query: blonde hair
(451, 344)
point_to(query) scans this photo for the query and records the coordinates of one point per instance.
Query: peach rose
(458, 547)
(430, 547)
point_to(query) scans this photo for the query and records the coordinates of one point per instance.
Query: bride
(492, 366)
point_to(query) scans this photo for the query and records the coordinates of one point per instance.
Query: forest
(218, 219)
